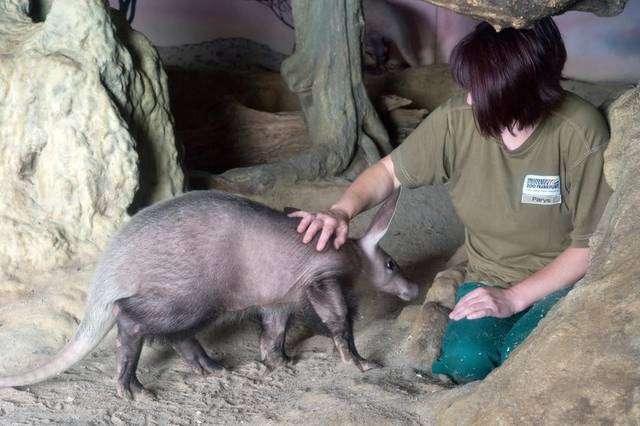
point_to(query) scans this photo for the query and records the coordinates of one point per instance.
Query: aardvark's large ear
(380, 223)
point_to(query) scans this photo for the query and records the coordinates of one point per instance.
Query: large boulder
(520, 14)
(580, 366)
(86, 135)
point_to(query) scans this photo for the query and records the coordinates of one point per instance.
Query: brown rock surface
(424, 340)
(623, 119)
(444, 286)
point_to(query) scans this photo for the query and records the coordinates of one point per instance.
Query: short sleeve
(588, 195)
(423, 158)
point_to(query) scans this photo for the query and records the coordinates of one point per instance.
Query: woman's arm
(562, 272)
(373, 186)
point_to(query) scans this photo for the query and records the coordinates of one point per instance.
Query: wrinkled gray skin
(184, 263)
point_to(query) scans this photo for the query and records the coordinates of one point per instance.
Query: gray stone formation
(519, 14)
(86, 134)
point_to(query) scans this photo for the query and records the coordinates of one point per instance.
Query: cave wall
(86, 135)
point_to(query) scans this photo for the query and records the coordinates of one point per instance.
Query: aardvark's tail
(96, 324)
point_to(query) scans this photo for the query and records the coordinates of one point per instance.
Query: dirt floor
(40, 312)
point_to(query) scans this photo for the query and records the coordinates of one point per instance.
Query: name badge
(541, 190)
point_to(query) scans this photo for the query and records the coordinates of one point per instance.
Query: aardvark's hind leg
(194, 355)
(129, 344)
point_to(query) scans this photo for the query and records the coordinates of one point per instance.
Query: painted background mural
(600, 49)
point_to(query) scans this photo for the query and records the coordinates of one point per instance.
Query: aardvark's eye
(391, 265)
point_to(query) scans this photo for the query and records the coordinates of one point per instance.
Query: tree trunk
(326, 72)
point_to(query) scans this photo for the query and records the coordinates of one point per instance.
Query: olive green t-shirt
(520, 208)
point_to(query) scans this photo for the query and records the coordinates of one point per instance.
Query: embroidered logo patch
(541, 190)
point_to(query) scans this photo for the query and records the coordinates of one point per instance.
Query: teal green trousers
(472, 348)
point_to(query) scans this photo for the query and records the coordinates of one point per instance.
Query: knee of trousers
(466, 361)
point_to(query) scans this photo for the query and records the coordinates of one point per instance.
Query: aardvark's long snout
(409, 291)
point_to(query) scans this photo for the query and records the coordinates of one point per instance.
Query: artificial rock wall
(86, 135)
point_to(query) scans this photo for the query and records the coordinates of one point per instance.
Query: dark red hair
(513, 75)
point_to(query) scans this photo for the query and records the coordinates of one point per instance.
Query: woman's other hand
(485, 302)
(333, 222)
(562, 272)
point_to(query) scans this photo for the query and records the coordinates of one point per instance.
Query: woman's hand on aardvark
(485, 302)
(333, 222)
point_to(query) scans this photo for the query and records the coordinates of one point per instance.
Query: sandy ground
(39, 312)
